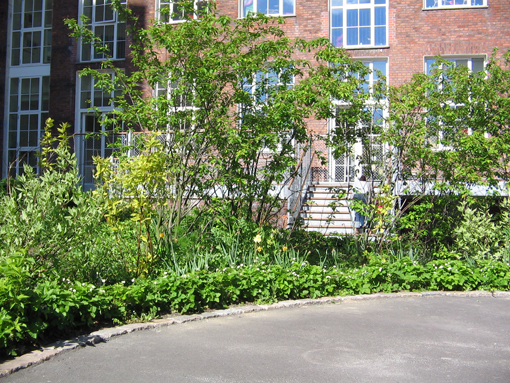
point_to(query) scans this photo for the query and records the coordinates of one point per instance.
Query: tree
(448, 133)
(229, 100)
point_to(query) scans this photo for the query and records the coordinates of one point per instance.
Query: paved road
(415, 339)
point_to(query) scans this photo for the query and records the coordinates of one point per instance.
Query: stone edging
(39, 356)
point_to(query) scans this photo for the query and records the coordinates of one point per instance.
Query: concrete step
(325, 214)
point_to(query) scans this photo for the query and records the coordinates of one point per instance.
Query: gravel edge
(104, 335)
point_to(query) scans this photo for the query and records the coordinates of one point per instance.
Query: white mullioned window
(366, 155)
(475, 64)
(261, 87)
(268, 7)
(178, 100)
(176, 11)
(31, 32)
(435, 4)
(93, 137)
(28, 111)
(359, 23)
(107, 27)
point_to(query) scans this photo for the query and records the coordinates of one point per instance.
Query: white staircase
(326, 209)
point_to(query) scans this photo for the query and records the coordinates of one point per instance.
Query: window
(444, 125)
(378, 68)
(174, 11)
(263, 84)
(359, 23)
(28, 111)
(94, 138)
(178, 100)
(108, 29)
(474, 64)
(365, 155)
(433, 4)
(31, 32)
(269, 7)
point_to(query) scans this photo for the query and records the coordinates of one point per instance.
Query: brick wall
(63, 54)
(3, 63)
(415, 33)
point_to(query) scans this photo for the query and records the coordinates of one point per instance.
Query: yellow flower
(161, 235)
(257, 239)
(284, 248)
(259, 249)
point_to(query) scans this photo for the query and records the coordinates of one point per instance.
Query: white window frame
(17, 113)
(428, 62)
(85, 110)
(339, 11)
(88, 51)
(167, 17)
(350, 160)
(251, 88)
(182, 106)
(21, 28)
(257, 8)
(454, 4)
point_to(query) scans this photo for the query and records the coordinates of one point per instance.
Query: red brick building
(39, 62)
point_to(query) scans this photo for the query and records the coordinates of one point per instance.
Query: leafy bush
(33, 310)
(60, 226)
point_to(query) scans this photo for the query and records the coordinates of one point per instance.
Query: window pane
(352, 36)
(247, 6)
(379, 66)
(364, 36)
(352, 17)
(288, 7)
(16, 21)
(478, 65)
(337, 37)
(262, 6)
(364, 17)
(337, 18)
(337, 3)
(380, 16)
(274, 7)
(380, 35)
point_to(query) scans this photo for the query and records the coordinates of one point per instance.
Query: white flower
(328, 277)
(133, 280)
(103, 280)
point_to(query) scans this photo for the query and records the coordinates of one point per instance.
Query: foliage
(451, 125)
(479, 236)
(231, 98)
(57, 223)
(53, 307)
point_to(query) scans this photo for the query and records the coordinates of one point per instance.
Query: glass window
(268, 7)
(444, 129)
(359, 23)
(108, 29)
(433, 4)
(175, 10)
(474, 64)
(31, 32)
(94, 138)
(28, 111)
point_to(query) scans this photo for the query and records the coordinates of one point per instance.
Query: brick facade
(413, 33)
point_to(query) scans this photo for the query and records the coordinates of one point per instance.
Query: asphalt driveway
(412, 339)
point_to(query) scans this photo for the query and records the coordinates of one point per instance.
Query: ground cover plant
(140, 245)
